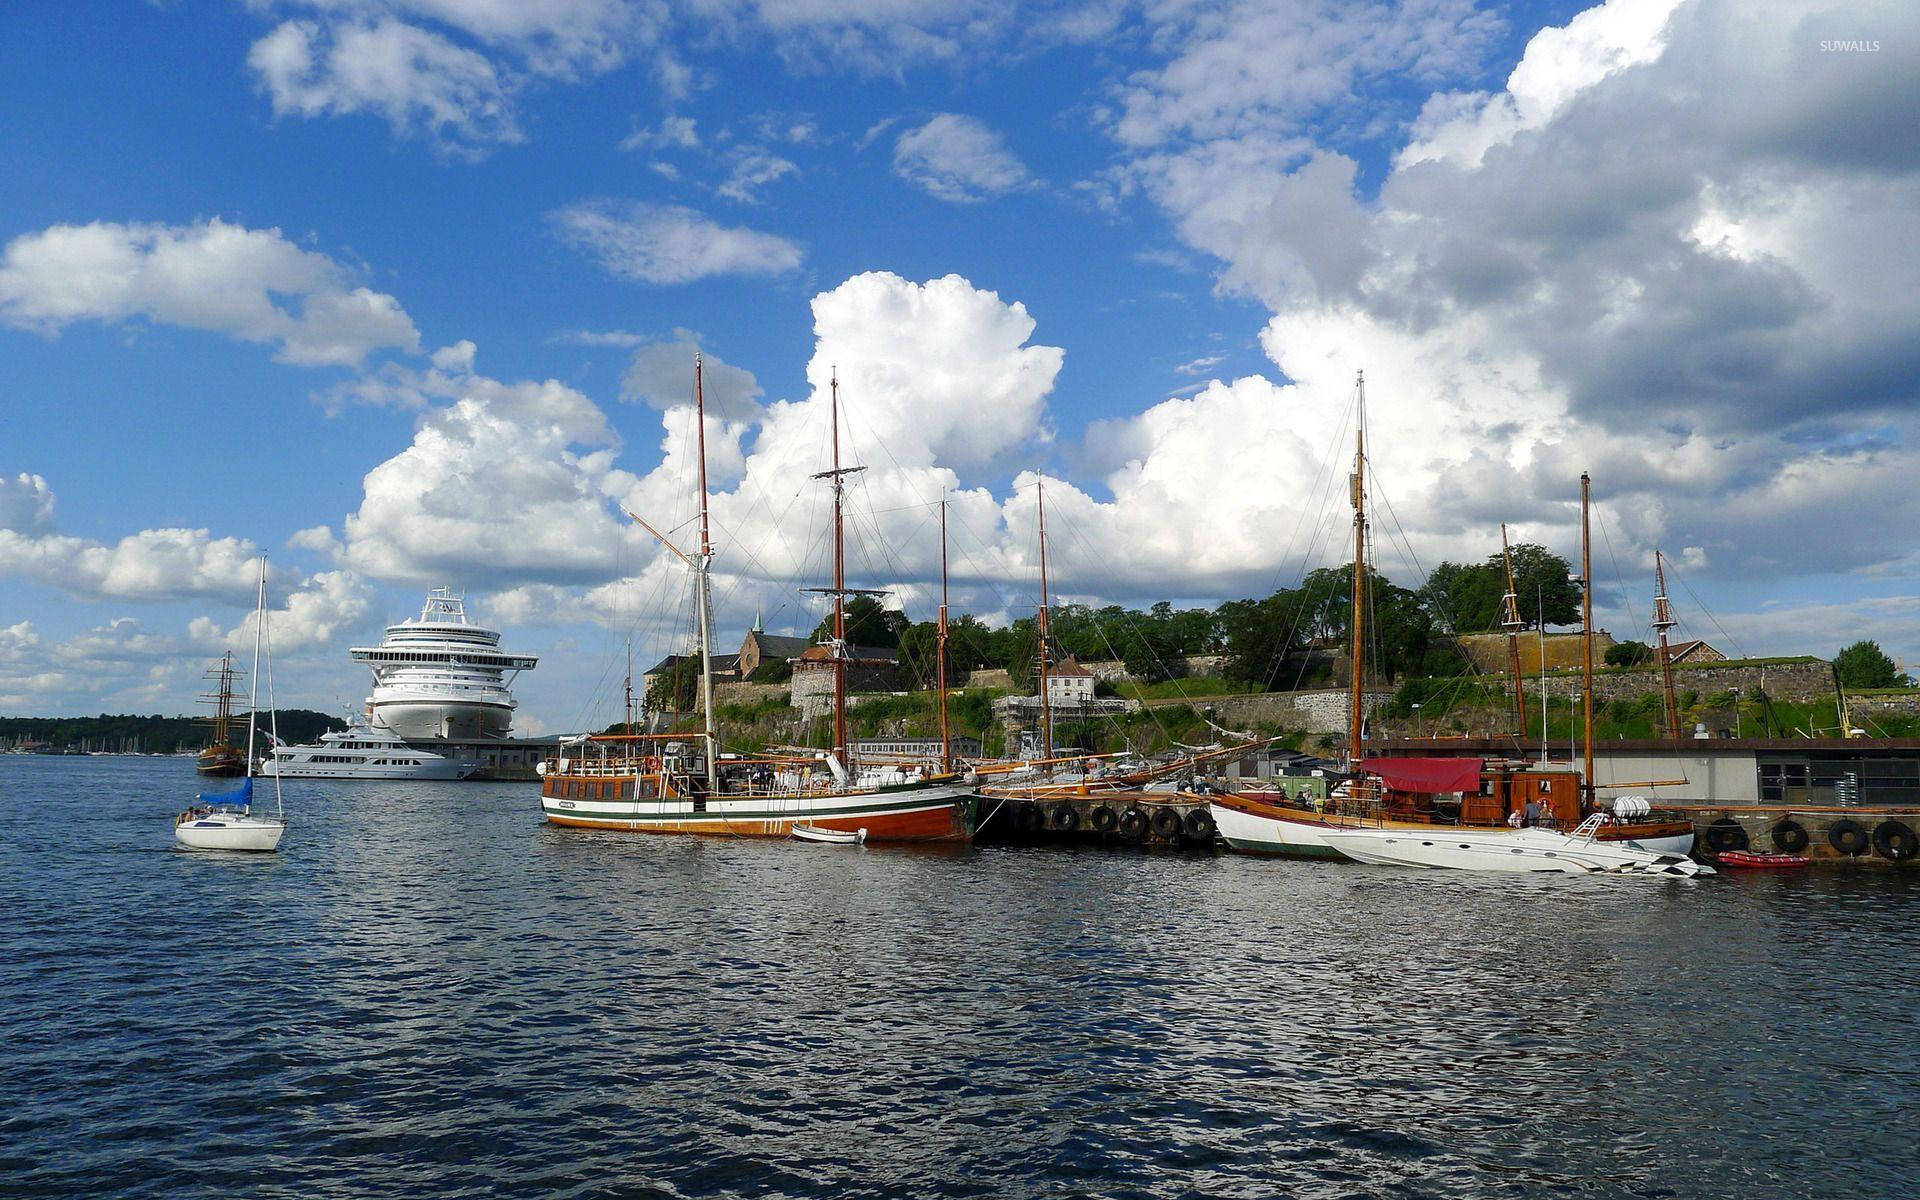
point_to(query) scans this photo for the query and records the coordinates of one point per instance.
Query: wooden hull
(935, 813)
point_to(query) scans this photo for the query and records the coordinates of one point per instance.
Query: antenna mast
(1355, 637)
(1511, 622)
(1663, 621)
(1586, 628)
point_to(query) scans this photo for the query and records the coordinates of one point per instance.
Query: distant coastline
(132, 734)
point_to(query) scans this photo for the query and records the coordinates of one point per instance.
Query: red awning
(1426, 775)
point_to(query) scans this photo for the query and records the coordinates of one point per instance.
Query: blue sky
(1557, 237)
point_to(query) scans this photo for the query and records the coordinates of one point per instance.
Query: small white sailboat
(226, 820)
(1512, 851)
(832, 837)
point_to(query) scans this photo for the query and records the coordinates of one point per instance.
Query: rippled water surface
(429, 992)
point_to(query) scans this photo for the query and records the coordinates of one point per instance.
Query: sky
(406, 293)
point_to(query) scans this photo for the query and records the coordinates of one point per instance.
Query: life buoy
(1200, 825)
(1790, 837)
(1892, 839)
(1103, 819)
(1848, 837)
(1066, 818)
(1133, 824)
(1726, 834)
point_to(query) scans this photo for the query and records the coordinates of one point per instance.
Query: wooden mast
(703, 563)
(1586, 629)
(1356, 626)
(1511, 622)
(839, 588)
(1046, 702)
(940, 646)
(1663, 621)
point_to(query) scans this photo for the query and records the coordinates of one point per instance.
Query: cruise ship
(441, 677)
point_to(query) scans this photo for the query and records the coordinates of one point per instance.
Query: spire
(758, 625)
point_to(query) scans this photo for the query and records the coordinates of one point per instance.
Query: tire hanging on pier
(1894, 840)
(1789, 837)
(1031, 818)
(1133, 824)
(1726, 834)
(1065, 818)
(1103, 819)
(1166, 823)
(1847, 836)
(1200, 825)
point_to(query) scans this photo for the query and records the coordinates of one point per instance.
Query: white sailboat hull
(1530, 851)
(229, 831)
(1249, 833)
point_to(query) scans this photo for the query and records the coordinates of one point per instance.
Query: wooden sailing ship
(1423, 793)
(684, 783)
(221, 757)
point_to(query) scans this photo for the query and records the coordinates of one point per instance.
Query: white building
(1069, 684)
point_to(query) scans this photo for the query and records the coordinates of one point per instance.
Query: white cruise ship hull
(443, 719)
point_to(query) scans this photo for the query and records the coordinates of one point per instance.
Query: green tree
(1542, 579)
(1629, 654)
(673, 690)
(1260, 638)
(869, 623)
(1865, 665)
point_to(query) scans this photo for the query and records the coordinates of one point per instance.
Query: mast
(1586, 629)
(702, 565)
(1510, 621)
(629, 687)
(1663, 621)
(273, 704)
(840, 591)
(253, 684)
(1043, 628)
(1356, 625)
(839, 588)
(940, 645)
(1540, 626)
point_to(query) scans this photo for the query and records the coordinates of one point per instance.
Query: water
(428, 992)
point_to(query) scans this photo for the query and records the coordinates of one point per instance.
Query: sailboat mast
(940, 646)
(1663, 621)
(1043, 628)
(1586, 628)
(703, 565)
(1356, 625)
(1510, 618)
(839, 588)
(253, 683)
(629, 687)
(273, 702)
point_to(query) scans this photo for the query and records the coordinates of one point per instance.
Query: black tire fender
(1103, 819)
(1789, 837)
(1726, 834)
(1166, 822)
(1848, 837)
(1133, 824)
(1200, 825)
(1894, 840)
(1065, 817)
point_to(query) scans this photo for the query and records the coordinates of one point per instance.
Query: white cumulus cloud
(652, 243)
(958, 158)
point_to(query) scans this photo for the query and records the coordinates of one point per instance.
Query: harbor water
(429, 992)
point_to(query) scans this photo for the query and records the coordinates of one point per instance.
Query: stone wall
(1797, 679)
(1195, 666)
(996, 677)
(747, 693)
(1320, 710)
(1488, 651)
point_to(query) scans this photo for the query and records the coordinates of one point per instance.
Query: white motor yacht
(1510, 850)
(363, 751)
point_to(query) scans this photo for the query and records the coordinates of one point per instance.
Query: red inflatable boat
(1760, 860)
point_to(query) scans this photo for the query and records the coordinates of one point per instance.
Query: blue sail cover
(241, 796)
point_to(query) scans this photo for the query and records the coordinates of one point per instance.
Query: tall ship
(222, 758)
(684, 783)
(439, 676)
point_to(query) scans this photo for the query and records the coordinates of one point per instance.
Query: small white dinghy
(1518, 850)
(830, 837)
(225, 820)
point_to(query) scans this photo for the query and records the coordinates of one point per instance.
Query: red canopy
(1426, 775)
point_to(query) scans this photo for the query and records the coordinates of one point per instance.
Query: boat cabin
(1472, 791)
